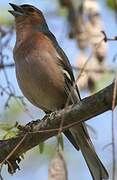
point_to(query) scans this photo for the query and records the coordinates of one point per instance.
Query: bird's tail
(84, 143)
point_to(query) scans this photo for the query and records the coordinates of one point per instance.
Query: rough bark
(40, 130)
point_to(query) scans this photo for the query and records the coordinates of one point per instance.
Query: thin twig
(2, 66)
(97, 71)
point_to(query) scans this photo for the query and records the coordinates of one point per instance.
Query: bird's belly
(41, 92)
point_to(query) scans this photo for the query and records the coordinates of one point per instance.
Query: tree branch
(39, 131)
(2, 66)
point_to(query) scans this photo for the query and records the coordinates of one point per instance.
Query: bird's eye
(28, 8)
(31, 9)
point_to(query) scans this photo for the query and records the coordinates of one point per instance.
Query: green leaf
(112, 4)
(9, 134)
(41, 147)
(61, 141)
(105, 80)
(6, 127)
(63, 12)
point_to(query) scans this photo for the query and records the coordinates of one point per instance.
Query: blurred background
(80, 28)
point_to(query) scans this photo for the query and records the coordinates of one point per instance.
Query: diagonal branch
(39, 131)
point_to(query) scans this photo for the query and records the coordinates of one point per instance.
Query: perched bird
(45, 77)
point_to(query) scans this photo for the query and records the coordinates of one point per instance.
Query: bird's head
(28, 20)
(27, 14)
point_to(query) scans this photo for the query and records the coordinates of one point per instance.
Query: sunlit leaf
(6, 127)
(112, 4)
(41, 147)
(9, 134)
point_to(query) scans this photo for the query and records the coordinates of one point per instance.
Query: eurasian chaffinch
(45, 77)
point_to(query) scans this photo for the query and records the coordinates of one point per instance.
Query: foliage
(112, 4)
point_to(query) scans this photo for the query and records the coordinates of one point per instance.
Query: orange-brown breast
(39, 76)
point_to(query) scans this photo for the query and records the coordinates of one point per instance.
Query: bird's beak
(17, 10)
